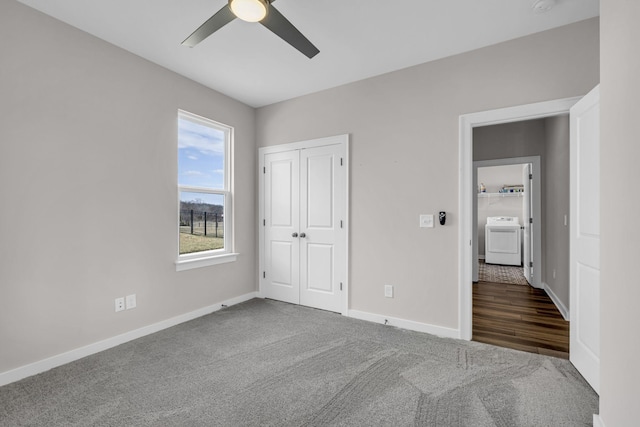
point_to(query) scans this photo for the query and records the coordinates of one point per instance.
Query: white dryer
(502, 240)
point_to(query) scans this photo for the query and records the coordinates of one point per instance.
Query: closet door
(322, 233)
(281, 227)
(303, 238)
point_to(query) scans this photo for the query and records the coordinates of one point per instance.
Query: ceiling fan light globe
(249, 10)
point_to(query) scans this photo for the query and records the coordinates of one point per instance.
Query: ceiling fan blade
(281, 26)
(213, 24)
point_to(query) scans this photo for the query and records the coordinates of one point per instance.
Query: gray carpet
(266, 363)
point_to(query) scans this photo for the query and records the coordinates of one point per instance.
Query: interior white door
(281, 227)
(322, 236)
(585, 237)
(527, 241)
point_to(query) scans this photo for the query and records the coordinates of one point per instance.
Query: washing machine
(502, 240)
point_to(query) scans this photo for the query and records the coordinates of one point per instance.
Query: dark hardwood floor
(519, 317)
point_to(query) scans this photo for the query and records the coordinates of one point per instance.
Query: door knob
(303, 235)
(294, 235)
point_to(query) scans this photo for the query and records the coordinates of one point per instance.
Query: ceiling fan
(254, 11)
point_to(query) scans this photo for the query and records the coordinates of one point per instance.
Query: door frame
(535, 209)
(466, 191)
(301, 145)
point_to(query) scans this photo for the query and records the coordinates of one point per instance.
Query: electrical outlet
(119, 304)
(131, 301)
(388, 291)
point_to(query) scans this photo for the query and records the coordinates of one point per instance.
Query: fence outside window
(201, 223)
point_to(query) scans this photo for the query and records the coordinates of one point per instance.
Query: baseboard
(480, 256)
(561, 307)
(597, 421)
(405, 324)
(64, 358)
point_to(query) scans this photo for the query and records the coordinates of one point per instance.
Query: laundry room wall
(493, 204)
(556, 208)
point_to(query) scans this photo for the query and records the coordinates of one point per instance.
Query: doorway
(468, 190)
(512, 190)
(510, 310)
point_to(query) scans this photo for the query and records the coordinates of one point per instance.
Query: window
(204, 192)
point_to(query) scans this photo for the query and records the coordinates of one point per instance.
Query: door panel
(320, 268)
(281, 261)
(322, 208)
(281, 187)
(320, 190)
(585, 237)
(281, 249)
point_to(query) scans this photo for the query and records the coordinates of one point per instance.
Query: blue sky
(200, 155)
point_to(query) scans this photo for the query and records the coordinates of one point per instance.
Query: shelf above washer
(518, 194)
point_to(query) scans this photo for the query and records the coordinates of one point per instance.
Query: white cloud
(205, 140)
(192, 157)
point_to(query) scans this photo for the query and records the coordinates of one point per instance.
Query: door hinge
(340, 223)
(264, 274)
(264, 169)
(530, 220)
(531, 264)
(264, 222)
(530, 176)
(340, 161)
(340, 285)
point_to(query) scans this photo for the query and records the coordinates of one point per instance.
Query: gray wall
(88, 165)
(556, 206)
(404, 156)
(505, 141)
(620, 151)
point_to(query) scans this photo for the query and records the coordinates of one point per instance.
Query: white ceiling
(357, 38)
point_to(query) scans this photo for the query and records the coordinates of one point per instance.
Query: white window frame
(216, 256)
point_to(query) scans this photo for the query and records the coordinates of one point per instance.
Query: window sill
(188, 264)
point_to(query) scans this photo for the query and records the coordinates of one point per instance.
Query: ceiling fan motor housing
(250, 10)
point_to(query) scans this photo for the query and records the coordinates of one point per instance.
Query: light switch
(426, 221)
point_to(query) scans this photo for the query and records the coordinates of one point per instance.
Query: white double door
(304, 259)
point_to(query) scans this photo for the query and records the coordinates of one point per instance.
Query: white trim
(597, 421)
(559, 305)
(226, 254)
(78, 353)
(301, 145)
(188, 264)
(536, 209)
(405, 324)
(466, 191)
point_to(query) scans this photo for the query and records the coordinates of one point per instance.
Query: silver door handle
(303, 235)
(294, 235)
